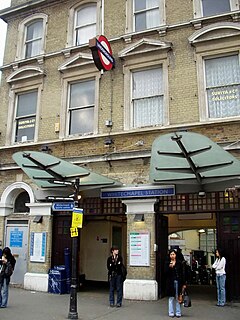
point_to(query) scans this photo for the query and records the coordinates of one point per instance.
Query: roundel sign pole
(102, 53)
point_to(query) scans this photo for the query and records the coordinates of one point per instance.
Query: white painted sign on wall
(139, 249)
(38, 246)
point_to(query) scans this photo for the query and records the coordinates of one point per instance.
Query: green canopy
(50, 172)
(189, 158)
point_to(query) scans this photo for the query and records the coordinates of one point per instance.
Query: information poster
(140, 249)
(38, 246)
(77, 218)
(16, 238)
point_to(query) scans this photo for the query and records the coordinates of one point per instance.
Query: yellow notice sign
(74, 232)
(77, 218)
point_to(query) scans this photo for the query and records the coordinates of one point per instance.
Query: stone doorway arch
(10, 194)
(15, 227)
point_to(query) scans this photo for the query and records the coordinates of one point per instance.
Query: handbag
(187, 303)
(8, 270)
(180, 298)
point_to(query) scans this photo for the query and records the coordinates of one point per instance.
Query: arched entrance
(16, 224)
(216, 210)
(202, 173)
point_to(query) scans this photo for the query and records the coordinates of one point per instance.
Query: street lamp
(73, 314)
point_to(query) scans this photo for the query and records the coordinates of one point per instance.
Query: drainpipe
(102, 17)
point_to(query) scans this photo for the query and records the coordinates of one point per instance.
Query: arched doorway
(14, 208)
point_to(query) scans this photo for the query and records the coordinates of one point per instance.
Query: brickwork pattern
(44, 226)
(183, 106)
(147, 273)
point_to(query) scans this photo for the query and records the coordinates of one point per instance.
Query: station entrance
(217, 212)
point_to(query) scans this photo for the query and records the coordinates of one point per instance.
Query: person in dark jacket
(114, 266)
(175, 282)
(7, 266)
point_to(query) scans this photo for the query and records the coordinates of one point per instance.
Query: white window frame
(11, 123)
(130, 20)
(64, 114)
(71, 36)
(21, 45)
(17, 119)
(198, 11)
(203, 101)
(128, 110)
(69, 110)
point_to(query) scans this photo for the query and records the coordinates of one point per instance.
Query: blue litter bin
(57, 280)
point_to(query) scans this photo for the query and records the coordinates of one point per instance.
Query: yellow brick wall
(183, 108)
(45, 226)
(183, 92)
(147, 273)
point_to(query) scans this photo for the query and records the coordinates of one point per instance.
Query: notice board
(38, 246)
(139, 248)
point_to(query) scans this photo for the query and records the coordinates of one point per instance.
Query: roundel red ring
(104, 42)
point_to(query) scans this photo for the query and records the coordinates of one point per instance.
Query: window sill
(220, 120)
(39, 59)
(71, 49)
(161, 30)
(79, 135)
(197, 23)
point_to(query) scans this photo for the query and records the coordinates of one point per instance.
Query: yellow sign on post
(74, 232)
(77, 218)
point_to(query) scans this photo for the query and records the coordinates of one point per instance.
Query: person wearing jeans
(219, 266)
(175, 282)
(171, 301)
(114, 266)
(116, 282)
(6, 270)
(4, 293)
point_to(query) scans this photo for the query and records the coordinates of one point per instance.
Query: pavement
(92, 304)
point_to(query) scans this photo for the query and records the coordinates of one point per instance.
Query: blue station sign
(63, 206)
(138, 192)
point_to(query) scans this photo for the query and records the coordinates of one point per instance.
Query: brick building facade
(177, 68)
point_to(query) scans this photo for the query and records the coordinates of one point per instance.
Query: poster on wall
(38, 246)
(16, 238)
(139, 249)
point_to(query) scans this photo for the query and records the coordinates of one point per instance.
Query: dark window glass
(34, 34)
(20, 202)
(213, 7)
(27, 103)
(26, 116)
(140, 5)
(81, 107)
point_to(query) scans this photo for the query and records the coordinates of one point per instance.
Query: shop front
(189, 174)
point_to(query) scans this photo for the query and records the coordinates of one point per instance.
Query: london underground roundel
(102, 53)
(106, 60)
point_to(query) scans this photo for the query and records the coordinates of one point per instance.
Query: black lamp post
(50, 165)
(73, 314)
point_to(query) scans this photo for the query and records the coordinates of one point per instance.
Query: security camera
(201, 194)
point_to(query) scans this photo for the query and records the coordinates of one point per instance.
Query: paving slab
(93, 305)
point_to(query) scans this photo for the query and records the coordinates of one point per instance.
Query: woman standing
(175, 282)
(219, 266)
(7, 266)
